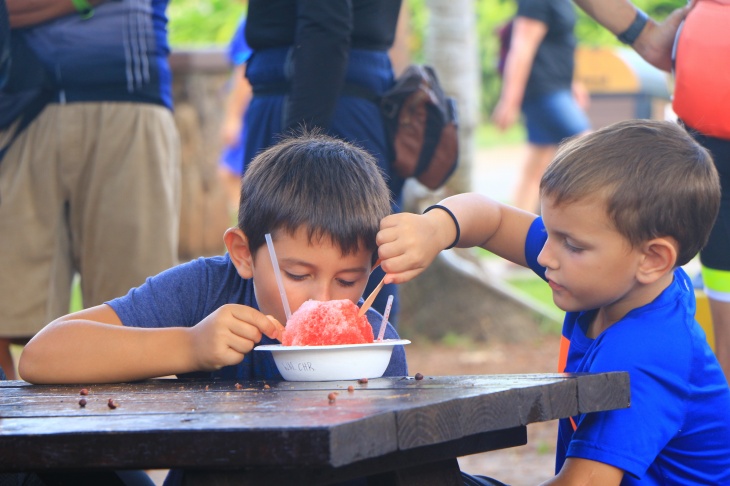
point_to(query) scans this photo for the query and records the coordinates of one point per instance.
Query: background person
(538, 79)
(92, 184)
(305, 55)
(230, 168)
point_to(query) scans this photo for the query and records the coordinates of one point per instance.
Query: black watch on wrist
(630, 35)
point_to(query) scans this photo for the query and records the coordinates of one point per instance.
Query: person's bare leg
(6, 359)
(721, 327)
(231, 183)
(527, 191)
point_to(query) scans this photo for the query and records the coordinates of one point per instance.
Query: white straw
(381, 333)
(277, 274)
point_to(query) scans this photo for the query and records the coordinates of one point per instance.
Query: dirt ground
(526, 465)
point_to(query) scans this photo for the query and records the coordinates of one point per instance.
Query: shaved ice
(318, 323)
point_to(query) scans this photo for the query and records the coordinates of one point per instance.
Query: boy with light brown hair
(622, 209)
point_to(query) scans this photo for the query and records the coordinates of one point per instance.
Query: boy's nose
(545, 257)
(323, 293)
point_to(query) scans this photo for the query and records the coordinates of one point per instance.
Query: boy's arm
(585, 472)
(92, 346)
(408, 243)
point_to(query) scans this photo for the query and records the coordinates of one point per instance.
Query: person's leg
(721, 327)
(230, 169)
(549, 119)
(527, 191)
(231, 183)
(715, 257)
(8, 362)
(36, 275)
(124, 212)
(6, 359)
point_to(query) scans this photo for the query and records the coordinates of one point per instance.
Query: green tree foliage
(203, 22)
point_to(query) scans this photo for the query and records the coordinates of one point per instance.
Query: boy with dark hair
(320, 198)
(622, 209)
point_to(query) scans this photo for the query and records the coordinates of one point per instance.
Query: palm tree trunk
(451, 48)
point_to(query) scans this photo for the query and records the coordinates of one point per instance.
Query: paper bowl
(330, 363)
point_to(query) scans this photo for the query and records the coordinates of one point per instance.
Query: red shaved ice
(318, 323)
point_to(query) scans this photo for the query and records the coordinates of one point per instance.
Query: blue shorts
(552, 117)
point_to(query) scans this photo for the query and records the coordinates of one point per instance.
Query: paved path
(495, 170)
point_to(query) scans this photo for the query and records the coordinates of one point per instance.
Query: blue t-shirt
(184, 295)
(677, 429)
(119, 54)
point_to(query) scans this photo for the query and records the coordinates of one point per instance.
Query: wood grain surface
(385, 425)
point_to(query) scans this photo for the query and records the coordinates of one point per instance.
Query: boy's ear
(239, 251)
(659, 257)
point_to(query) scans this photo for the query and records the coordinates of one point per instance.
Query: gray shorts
(87, 188)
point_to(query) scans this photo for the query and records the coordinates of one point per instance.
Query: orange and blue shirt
(677, 428)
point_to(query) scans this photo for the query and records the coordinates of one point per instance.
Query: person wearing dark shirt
(538, 80)
(306, 58)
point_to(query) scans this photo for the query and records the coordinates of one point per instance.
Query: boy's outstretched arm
(584, 472)
(92, 346)
(408, 243)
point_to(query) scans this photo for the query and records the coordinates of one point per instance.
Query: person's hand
(580, 94)
(408, 243)
(656, 40)
(505, 114)
(231, 131)
(225, 336)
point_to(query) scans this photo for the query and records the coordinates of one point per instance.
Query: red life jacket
(702, 69)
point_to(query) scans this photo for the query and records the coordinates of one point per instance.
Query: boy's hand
(225, 336)
(408, 243)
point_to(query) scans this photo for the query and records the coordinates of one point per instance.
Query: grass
(488, 135)
(533, 287)
(75, 304)
(456, 340)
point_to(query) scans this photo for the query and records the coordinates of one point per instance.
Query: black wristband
(456, 222)
(630, 35)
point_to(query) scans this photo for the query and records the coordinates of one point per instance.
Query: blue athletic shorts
(552, 117)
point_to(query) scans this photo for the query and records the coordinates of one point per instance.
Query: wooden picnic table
(393, 430)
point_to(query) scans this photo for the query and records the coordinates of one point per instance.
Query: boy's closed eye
(571, 247)
(345, 283)
(301, 278)
(296, 278)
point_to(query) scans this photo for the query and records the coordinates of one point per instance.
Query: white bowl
(330, 363)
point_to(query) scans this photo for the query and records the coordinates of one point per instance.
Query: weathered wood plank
(214, 424)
